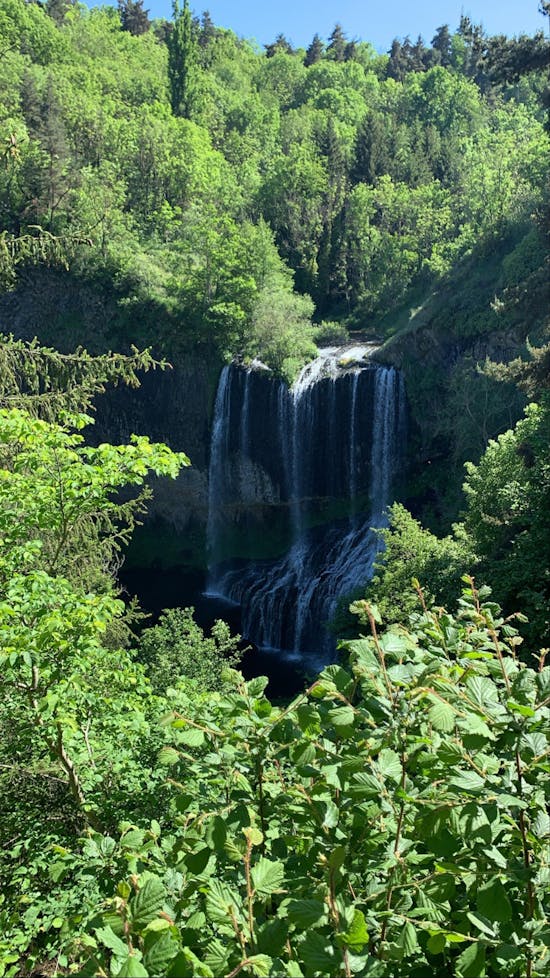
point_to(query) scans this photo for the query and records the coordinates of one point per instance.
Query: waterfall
(309, 471)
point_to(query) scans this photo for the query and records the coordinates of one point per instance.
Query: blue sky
(377, 21)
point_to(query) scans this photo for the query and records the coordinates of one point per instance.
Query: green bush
(391, 821)
(177, 648)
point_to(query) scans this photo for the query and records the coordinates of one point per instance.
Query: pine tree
(350, 50)
(207, 30)
(397, 65)
(336, 48)
(418, 54)
(314, 52)
(133, 17)
(371, 150)
(279, 44)
(442, 43)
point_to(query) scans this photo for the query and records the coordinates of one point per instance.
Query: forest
(174, 197)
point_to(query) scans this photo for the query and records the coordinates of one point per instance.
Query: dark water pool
(159, 588)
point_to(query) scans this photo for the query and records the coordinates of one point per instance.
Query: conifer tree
(133, 17)
(442, 43)
(314, 52)
(397, 65)
(336, 48)
(279, 44)
(207, 29)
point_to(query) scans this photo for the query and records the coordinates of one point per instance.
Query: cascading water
(312, 467)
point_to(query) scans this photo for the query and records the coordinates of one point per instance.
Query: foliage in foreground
(392, 820)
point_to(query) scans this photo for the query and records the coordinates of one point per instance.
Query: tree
(279, 44)
(62, 525)
(336, 47)
(442, 43)
(398, 63)
(57, 9)
(419, 53)
(177, 649)
(48, 384)
(133, 17)
(410, 552)
(207, 30)
(508, 517)
(314, 52)
(371, 156)
(182, 61)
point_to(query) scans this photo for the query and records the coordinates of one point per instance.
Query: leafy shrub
(331, 334)
(177, 647)
(392, 820)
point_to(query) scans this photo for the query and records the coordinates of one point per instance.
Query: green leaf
(260, 965)
(541, 825)
(256, 686)
(186, 964)
(191, 737)
(148, 902)
(168, 756)
(481, 923)
(132, 968)
(342, 718)
(253, 835)
(221, 903)
(337, 857)
(473, 725)
(442, 715)
(437, 943)
(271, 937)
(318, 954)
(357, 934)
(303, 753)
(408, 939)
(543, 683)
(157, 925)
(390, 765)
(482, 690)
(159, 954)
(365, 785)
(471, 963)
(216, 833)
(493, 902)
(332, 815)
(524, 711)
(306, 913)
(217, 956)
(510, 958)
(468, 782)
(309, 719)
(267, 877)
(107, 937)
(395, 644)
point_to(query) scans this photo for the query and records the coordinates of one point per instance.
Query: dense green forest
(204, 198)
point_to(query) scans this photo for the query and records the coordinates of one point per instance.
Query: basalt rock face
(305, 474)
(172, 406)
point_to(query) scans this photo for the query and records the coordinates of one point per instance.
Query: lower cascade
(303, 475)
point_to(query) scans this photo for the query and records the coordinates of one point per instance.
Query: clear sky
(377, 21)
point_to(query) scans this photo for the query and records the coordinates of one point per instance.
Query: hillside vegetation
(194, 199)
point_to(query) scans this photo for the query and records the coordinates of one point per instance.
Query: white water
(336, 428)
